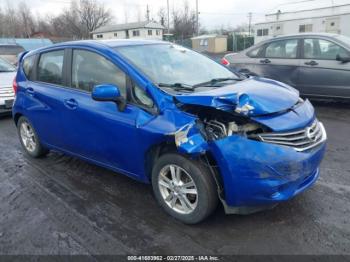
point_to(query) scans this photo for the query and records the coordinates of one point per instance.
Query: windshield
(6, 66)
(169, 64)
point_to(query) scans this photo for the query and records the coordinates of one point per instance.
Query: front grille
(301, 140)
(6, 92)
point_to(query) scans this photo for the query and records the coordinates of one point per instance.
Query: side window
(50, 67)
(254, 53)
(90, 69)
(322, 49)
(142, 97)
(28, 65)
(282, 49)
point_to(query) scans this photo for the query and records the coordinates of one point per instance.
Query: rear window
(10, 50)
(6, 66)
(28, 65)
(50, 68)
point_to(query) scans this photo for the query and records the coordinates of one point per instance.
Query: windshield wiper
(217, 80)
(177, 86)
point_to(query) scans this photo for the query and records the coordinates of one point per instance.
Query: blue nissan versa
(166, 115)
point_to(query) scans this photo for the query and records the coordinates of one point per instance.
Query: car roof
(334, 37)
(112, 43)
(10, 45)
(301, 35)
(100, 44)
(307, 34)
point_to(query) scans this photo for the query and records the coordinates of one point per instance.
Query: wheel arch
(206, 159)
(16, 117)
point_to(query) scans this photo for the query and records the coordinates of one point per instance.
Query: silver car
(7, 95)
(318, 65)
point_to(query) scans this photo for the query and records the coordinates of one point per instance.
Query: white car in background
(7, 95)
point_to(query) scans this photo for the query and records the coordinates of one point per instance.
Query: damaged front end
(260, 160)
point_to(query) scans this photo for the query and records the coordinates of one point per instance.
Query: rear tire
(184, 188)
(29, 139)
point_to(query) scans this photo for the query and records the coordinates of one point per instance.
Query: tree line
(76, 22)
(81, 18)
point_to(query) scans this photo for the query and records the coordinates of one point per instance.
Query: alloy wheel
(178, 189)
(27, 136)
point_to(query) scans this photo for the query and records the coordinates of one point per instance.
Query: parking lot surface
(63, 205)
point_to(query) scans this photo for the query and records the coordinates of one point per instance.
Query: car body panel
(7, 94)
(327, 78)
(300, 115)
(270, 173)
(265, 96)
(122, 141)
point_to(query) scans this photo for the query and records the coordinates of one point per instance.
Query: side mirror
(109, 92)
(344, 59)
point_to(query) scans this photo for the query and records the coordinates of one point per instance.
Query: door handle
(311, 63)
(30, 91)
(71, 103)
(265, 61)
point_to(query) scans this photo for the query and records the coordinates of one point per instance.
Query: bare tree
(184, 22)
(81, 19)
(162, 17)
(26, 20)
(93, 15)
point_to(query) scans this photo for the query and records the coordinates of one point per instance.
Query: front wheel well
(205, 159)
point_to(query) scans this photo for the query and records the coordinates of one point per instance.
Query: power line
(230, 14)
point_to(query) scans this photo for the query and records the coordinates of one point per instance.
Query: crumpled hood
(252, 97)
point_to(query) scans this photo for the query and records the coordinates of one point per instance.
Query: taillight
(224, 61)
(14, 85)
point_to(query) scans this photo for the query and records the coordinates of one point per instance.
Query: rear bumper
(4, 110)
(258, 175)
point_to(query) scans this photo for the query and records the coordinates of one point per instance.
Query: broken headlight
(215, 129)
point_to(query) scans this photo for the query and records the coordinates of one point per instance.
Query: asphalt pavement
(63, 205)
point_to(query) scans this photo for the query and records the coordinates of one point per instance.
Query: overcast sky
(213, 13)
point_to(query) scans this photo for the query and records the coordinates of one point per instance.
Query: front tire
(29, 139)
(184, 188)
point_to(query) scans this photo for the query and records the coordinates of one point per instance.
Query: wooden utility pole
(168, 17)
(147, 14)
(197, 19)
(250, 14)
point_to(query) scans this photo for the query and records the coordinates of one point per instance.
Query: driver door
(95, 130)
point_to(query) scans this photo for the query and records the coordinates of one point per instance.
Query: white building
(142, 30)
(320, 18)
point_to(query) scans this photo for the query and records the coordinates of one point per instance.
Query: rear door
(43, 89)
(245, 61)
(320, 73)
(279, 61)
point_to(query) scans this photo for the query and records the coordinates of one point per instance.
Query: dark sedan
(318, 65)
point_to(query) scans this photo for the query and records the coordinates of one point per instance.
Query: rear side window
(282, 49)
(28, 65)
(322, 49)
(50, 68)
(90, 69)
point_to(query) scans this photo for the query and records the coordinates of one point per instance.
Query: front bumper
(257, 175)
